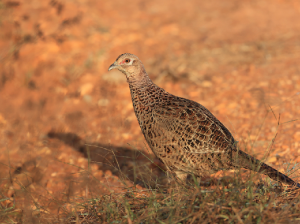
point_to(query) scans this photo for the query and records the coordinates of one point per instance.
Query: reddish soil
(60, 106)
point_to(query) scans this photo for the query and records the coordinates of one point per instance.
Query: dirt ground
(67, 126)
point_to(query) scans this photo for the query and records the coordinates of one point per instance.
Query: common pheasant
(183, 134)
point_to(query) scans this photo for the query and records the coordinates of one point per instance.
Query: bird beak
(113, 66)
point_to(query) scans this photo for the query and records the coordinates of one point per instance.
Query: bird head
(128, 64)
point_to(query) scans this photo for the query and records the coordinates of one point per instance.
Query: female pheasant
(183, 134)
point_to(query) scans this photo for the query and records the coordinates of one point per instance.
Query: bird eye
(127, 60)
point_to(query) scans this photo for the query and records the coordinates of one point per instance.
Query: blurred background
(60, 108)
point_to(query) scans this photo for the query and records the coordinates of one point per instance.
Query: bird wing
(192, 125)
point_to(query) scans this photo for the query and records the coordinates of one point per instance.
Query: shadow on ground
(126, 163)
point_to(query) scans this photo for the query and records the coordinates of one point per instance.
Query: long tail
(250, 163)
(276, 175)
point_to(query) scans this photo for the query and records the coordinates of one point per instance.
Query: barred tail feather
(250, 163)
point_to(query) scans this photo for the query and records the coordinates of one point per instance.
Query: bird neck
(142, 93)
(139, 81)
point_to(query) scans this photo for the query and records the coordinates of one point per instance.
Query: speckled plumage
(183, 134)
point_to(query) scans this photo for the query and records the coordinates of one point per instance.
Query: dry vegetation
(71, 149)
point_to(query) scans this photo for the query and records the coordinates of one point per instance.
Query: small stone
(272, 159)
(103, 102)
(108, 173)
(86, 89)
(2, 120)
(206, 84)
(87, 98)
(297, 136)
(63, 91)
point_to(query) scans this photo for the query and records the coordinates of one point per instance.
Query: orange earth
(67, 126)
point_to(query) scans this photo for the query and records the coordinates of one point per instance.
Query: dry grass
(238, 196)
(233, 203)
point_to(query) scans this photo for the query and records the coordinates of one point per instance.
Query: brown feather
(182, 133)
